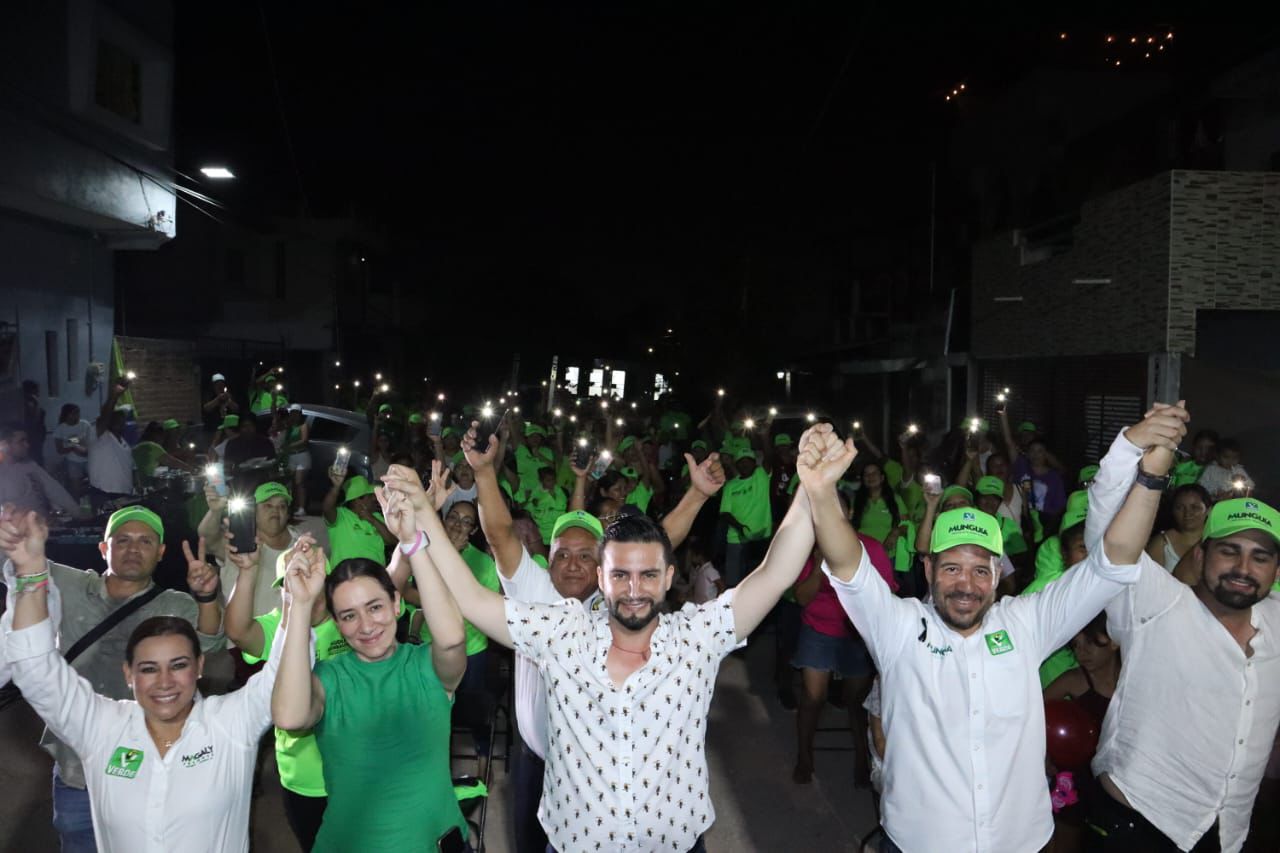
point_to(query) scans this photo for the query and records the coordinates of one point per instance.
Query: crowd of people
(1027, 655)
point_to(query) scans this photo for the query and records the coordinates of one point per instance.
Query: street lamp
(218, 173)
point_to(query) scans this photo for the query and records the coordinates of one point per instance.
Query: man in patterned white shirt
(628, 687)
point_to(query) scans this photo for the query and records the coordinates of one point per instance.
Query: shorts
(846, 656)
(300, 461)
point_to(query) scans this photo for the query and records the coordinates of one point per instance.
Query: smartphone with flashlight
(582, 454)
(242, 517)
(435, 424)
(932, 484)
(602, 464)
(484, 429)
(214, 473)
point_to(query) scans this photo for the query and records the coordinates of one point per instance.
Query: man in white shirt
(1189, 730)
(571, 574)
(110, 457)
(961, 690)
(628, 687)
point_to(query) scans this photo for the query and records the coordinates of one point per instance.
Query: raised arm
(823, 457)
(925, 531)
(444, 621)
(819, 467)
(704, 481)
(329, 508)
(203, 581)
(1159, 435)
(238, 621)
(495, 518)
(297, 700)
(109, 407)
(210, 526)
(480, 606)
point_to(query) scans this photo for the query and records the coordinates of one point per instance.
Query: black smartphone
(582, 454)
(242, 514)
(484, 429)
(435, 424)
(452, 842)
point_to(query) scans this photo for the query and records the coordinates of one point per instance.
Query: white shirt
(459, 494)
(703, 584)
(195, 798)
(1192, 723)
(83, 435)
(111, 464)
(1215, 479)
(626, 767)
(532, 584)
(964, 716)
(266, 595)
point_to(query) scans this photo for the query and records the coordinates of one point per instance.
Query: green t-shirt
(892, 472)
(542, 561)
(384, 737)
(1014, 542)
(485, 571)
(640, 496)
(261, 404)
(877, 520)
(1185, 472)
(747, 500)
(351, 536)
(1049, 565)
(528, 462)
(297, 755)
(565, 478)
(912, 494)
(545, 507)
(146, 456)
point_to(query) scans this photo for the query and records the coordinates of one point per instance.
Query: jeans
(527, 773)
(72, 817)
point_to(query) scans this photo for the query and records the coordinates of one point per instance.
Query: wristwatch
(1151, 481)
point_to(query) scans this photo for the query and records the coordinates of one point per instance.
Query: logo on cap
(1250, 505)
(968, 516)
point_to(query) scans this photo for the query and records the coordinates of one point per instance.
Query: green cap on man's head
(990, 485)
(267, 491)
(578, 518)
(385, 407)
(1027, 426)
(357, 487)
(626, 444)
(531, 428)
(1087, 473)
(229, 421)
(1077, 509)
(699, 443)
(172, 423)
(782, 440)
(966, 526)
(951, 491)
(744, 453)
(416, 418)
(1239, 514)
(134, 513)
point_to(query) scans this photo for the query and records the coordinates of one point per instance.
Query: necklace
(644, 654)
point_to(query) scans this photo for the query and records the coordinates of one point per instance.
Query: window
(571, 380)
(618, 381)
(118, 82)
(1104, 417)
(325, 429)
(596, 388)
(660, 386)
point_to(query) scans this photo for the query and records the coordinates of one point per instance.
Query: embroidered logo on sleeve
(999, 643)
(124, 762)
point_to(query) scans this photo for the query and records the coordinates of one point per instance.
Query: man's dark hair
(1206, 433)
(357, 567)
(639, 529)
(1096, 630)
(161, 626)
(1067, 537)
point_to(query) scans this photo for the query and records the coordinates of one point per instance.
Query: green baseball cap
(951, 491)
(1077, 509)
(782, 440)
(699, 443)
(229, 421)
(415, 418)
(1087, 473)
(744, 453)
(270, 377)
(626, 444)
(385, 407)
(1026, 426)
(577, 518)
(172, 423)
(448, 431)
(267, 491)
(966, 526)
(134, 513)
(281, 566)
(990, 485)
(534, 429)
(630, 473)
(357, 487)
(1235, 515)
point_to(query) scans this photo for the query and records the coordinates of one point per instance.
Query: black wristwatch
(210, 598)
(1151, 481)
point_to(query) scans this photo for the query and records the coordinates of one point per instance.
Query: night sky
(647, 156)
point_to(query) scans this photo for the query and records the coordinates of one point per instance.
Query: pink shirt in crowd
(824, 614)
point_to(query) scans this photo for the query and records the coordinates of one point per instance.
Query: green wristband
(22, 582)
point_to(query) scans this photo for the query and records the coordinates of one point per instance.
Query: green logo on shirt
(999, 642)
(124, 762)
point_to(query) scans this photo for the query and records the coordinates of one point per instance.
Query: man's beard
(960, 622)
(634, 623)
(1236, 599)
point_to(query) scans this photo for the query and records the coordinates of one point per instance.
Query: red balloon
(1071, 734)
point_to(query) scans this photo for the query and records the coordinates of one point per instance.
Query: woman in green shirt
(877, 511)
(381, 715)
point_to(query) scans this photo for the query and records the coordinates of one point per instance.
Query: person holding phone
(166, 769)
(381, 714)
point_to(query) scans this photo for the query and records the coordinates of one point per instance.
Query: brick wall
(167, 385)
(1121, 236)
(1224, 247)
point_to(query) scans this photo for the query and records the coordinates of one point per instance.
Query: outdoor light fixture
(782, 374)
(557, 413)
(773, 411)
(749, 423)
(811, 417)
(218, 173)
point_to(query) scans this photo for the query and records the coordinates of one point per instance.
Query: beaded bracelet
(24, 582)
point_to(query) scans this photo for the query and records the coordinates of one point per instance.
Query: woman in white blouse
(169, 770)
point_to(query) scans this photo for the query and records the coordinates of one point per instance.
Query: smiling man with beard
(961, 690)
(1189, 730)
